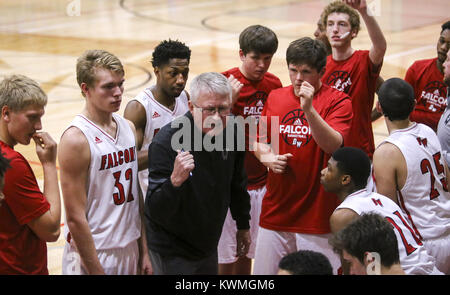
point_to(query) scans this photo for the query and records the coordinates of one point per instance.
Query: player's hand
(236, 87)
(182, 168)
(279, 163)
(306, 94)
(145, 265)
(243, 241)
(360, 5)
(45, 147)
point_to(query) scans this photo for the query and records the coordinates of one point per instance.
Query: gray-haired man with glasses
(191, 188)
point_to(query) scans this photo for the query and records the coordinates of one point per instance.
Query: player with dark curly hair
(159, 104)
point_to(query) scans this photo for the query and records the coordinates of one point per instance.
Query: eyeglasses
(223, 111)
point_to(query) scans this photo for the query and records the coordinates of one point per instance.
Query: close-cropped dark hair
(4, 164)
(259, 39)
(396, 98)
(307, 51)
(306, 262)
(368, 233)
(445, 26)
(354, 162)
(169, 49)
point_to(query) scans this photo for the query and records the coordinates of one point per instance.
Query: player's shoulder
(341, 217)
(272, 78)
(332, 94)
(233, 71)
(281, 91)
(386, 152)
(360, 53)
(421, 63)
(74, 139)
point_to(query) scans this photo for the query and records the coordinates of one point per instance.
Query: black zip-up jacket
(187, 221)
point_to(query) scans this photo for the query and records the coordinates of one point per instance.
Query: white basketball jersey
(157, 117)
(112, 207)
(414, 258)
(424, 197)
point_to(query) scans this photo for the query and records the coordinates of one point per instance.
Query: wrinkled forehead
(211, 98)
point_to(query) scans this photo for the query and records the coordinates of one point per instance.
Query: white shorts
(118, 261)
(227, 243)
(440, 250)
(274, 245)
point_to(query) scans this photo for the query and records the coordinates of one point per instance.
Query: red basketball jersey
(295, 200)
(250, 102)
(356, 76)
(429, 90)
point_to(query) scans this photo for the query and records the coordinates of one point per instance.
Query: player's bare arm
(135, 112)
(375, 113)
(341, 218)
(265, 154)
(326, 137)
(74, 175)
(379, 45)
(145, 266)
(389, 170)
(47, 226)
(447, 173)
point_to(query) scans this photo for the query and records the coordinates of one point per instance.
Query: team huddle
(310, 193)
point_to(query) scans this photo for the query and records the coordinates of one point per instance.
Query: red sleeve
(374, 70)
(410, 76)
(340, 117)
(264, 123)
(22, 193)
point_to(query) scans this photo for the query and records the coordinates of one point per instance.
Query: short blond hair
(18, 91)
(341, 7)
(91, 60)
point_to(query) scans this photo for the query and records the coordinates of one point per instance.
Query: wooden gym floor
(42, 39)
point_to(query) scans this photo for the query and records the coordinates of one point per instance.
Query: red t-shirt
(429, 90)
(251, 101)
(356, 76)
(295, 201)
(21, 251)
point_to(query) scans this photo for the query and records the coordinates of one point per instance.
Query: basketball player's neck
(395, 269)
(397, 125)
(4, 135)
(440, 66)
(100, 118)
(163, 98)
(346, 191)
(342, 53)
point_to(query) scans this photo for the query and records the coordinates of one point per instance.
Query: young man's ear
(346, 179)
(241, 55)
(156, 71)
(6, 113)
(84, 89)
(378, 107)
